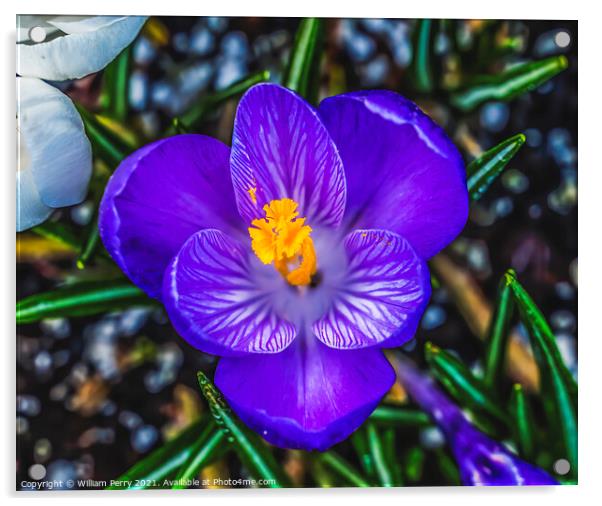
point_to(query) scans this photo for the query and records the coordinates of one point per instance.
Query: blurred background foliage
(105, 386)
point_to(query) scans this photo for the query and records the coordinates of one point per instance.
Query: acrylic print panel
(280, 252)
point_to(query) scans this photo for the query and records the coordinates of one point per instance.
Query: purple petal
(214, 302)
(382, 296)
(158, 197)
(280, 148)
(481, 460)
(308, 396)
(403, 173)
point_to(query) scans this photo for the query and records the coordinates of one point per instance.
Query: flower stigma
(283, 239)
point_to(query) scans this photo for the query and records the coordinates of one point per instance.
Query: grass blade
(515, 81)
(91, 243)
(163, 461)
(302, 73)
(559, 388)
(383, 472)
(57, 231)
(178, 127)
(342, 468)
(323, 476)
(498, 333)
(105, 143)
(539, 329)
(414, 463)
(81, 299)
(483, 171)
(359, 441)
(421, 65)
(254, 454)
(197, 113)
(447, 467)
(461, 384)
(522, 426)
(201, 454)
(399, 417)
(115, 85)
(391, 457)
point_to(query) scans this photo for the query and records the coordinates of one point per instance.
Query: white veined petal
(77, 55)
(31, 211)
(51, 132)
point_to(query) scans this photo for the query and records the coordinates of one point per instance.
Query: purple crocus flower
(481, 460)
(295, 255)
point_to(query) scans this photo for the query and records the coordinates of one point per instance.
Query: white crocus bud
(69, 47)
(54, 158)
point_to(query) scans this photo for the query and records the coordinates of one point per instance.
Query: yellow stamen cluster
(284, 239)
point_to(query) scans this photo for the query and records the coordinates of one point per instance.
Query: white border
(590, 186)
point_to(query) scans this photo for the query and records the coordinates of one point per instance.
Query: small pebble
(138, 90)
(144, 51)
(43, 363)
(202, 42)
(129, 419)
(58, 328)
(28, 405)
(61, 472)
(494, 116)
(432, 437)
(143, 438)
(434, 317)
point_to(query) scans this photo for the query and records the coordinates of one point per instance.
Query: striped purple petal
(158, 197)
(381, 298)
(281, 149)
(215, 303)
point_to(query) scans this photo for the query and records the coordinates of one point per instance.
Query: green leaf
(164, 460)
(461, 384)
(81, 299)
(421, 64)
(506, 86)
(191, 119)
(399, 417)
(523, 425)
(115, 83)
(499, 330)
(559, 388)
(106, 145)
(383, 471)
(303, 71)
(201, 454)
(342, 468)
(483, 171)
(251, 450)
